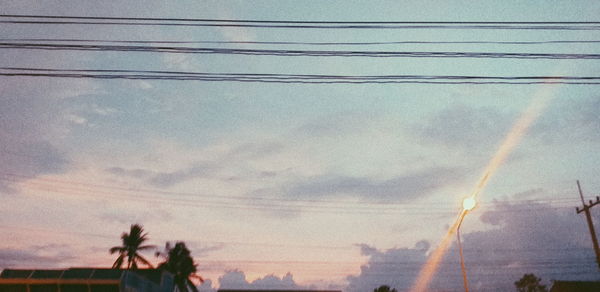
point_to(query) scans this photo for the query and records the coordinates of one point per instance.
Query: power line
(242, 204)
(201, 22)
(420, 26)
(92, 187)
(276, 245)
(13, 177)
(98, 187)
(289, 21)
(248, 205)
(294, 53)
(296, 78)
(304, 43)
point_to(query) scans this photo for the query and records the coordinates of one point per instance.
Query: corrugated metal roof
(73, 273)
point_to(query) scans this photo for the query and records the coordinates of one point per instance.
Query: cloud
(551, 242)
(167, 179)
(35, 118)
(253, 150)
(34, 256)
(24, 149)
(396, 267)
(338, 125)
(134, 173)
(237, 280)
(211, 167)
(402, 188)
(127, 216)
(465, 127)
(207, 286)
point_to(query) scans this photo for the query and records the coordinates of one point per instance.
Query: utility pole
(588, 216)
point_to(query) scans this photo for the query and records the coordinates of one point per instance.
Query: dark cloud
(34, 257)
(237, 280)
(207, 168)
(201, 250)
(465, 127)
(397, 189)
(167, 179)
(552, 243)
(367, 250)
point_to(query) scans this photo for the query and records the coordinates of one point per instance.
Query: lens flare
(469, 203)
(537, 105)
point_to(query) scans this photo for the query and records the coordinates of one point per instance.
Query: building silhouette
(86, 280)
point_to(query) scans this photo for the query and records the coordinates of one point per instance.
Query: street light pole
(468, 205)
(460, 250)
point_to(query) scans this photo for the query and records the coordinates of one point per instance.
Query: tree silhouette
(530, 283)
(385, 288)
(131, 244)
(179, 262)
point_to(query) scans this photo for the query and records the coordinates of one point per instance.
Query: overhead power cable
(94, 191)
(288, 21)
(94, 187)
(202, 22)
(296, 78)
(292, 53)
(412, 42)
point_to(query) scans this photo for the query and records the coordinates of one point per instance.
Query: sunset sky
(340, 186)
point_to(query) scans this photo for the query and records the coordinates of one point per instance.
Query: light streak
(537, 105)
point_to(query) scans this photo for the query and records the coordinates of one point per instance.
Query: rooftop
(153, 275)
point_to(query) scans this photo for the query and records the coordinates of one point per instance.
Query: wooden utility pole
(588, 216)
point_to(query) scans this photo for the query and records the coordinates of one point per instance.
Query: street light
(468, 205)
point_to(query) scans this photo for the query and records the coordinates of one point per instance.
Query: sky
(276, 185)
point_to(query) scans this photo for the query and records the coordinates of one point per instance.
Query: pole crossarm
(590, 205)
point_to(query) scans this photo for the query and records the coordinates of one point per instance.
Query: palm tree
(385, 288)
(132, 243)
(179, 262)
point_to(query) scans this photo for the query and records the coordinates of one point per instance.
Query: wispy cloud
(214, 166)
(34, 257)
(398, 189)
(465, 127)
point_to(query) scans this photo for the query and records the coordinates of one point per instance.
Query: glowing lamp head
(469, 203)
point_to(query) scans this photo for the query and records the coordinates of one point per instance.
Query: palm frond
(143, 247)
(191, 285)
(144, 261)
(119, 262)
(115, 249)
